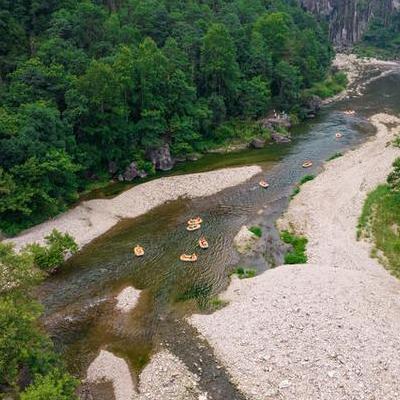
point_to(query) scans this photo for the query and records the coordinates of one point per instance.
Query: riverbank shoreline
(93, 218)
(328, 329)
(355, 68)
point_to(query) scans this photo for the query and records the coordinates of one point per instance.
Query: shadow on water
(80, 300)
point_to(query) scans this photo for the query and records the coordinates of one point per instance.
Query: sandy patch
(109, 368)
(128, 299)
(167, 378)
(329, 329)
(164, 378)
(93, 218)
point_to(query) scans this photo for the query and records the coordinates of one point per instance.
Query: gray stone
(280, 137)
(161, 158)
(131, 172)
(257, 143)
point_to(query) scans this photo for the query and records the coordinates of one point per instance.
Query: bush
(334, 156)
(306, 178)
(394, 177)
(52, 256)
(303, 180)
(55, 386)
(256, 230)
(245, 273)
(298, 253)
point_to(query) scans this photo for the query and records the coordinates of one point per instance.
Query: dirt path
(329, 329)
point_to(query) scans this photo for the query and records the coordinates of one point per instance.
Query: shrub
(55, 386)
(394, 177)
(306, 178)
(52, 255)
(256, 230)
(303, 180)
(333, 156)
(298, 253)
(245, 273)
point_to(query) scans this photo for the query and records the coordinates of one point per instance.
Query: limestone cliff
(349, 19)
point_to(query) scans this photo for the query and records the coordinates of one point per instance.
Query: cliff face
(349, 19)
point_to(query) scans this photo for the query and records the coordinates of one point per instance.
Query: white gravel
(328, 330)
(355, 67)
(127, 299)
(164, 378)
(93, 218)
(109, 368)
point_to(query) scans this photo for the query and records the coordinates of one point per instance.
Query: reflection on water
(79, 302)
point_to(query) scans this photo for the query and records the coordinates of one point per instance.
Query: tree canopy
(90, 84)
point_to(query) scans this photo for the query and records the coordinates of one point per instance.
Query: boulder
(131, 172)
(258, 143)
(112, 167)
(276, 122)
(311, 106)
(245, 240)
(161, 158)
(280, 137)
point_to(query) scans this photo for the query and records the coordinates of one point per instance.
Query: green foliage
(334, 156)
(303, 180)
(52, 255)
(87, 85)
(306, 178)
(298, 253)
(198, 292)
(55, 385)
(245, 273)
(23, 344)
(331, 86)
(394, 177)
(256, 230)
(382, 39)
(380, 222)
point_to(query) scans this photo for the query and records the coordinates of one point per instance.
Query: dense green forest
(382, 39)
(88, 87)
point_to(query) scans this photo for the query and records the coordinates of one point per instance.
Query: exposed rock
(128, 299)
(312, 105)
(258, 143)
(112, 167)
(280, 137)
(161, 158)
(276, 122)
(349, 19)
(245, 240)
(131, 172)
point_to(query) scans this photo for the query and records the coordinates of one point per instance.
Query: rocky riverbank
(93, 218)
(328, 329)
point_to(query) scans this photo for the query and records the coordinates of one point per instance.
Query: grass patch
(298, 253)
(331, 86)
(256, 230)
(303, 180)
(216, 304)
(245, 273)
(334, 156)
(200, 293)
(380, 221)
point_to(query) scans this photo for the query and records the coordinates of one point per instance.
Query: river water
(80, 301)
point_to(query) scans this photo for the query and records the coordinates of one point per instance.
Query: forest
(88, 87)
(382, 38)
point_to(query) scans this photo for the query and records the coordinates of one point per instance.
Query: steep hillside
(349, 19)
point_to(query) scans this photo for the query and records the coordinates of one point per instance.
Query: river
(80, 300)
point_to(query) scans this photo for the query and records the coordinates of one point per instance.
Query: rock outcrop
(161, 158)
(349, 19)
